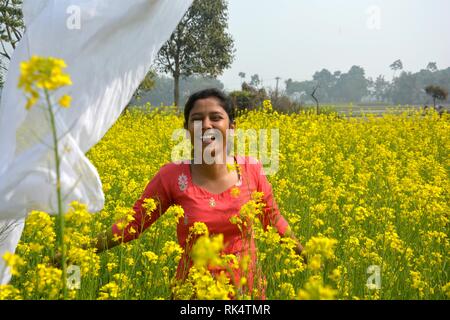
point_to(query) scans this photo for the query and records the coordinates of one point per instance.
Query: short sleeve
(155, 190)
(271, 215)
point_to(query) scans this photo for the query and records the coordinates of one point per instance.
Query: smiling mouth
(208, 139)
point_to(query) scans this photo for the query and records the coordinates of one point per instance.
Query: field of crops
(368, 198)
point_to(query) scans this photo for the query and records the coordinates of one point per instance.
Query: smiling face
(208, 123)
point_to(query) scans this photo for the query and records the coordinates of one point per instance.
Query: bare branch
(315, 99)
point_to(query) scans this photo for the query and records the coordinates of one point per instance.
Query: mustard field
(367, 197)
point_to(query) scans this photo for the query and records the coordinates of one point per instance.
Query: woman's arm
(104, 241)
(298, 246)
(142, 218)
(272, 215)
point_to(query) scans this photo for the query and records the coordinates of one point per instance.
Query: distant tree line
(355, 87)
(160, 92)
(426, 87)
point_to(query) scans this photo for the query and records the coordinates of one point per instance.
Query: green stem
(59, 195)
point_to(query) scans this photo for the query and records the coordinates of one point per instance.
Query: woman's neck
(213, 171)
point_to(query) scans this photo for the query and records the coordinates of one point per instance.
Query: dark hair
(224, 101)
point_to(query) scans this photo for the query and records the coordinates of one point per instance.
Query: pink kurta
(173, 185)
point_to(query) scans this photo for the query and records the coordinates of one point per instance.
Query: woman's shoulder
(173, 166)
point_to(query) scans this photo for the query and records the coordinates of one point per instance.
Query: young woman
(207, 191)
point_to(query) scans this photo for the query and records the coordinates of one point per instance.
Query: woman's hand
(299, 248)
(57, 260)
(301, 252)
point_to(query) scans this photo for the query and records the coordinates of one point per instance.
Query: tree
(381, 88)
(313, 95)
(404, 89)
(432, 66)
(11, 26)
(146, 85)
(255, 81)
(242, 76)
(161, 93)
(396, 65)
(326, 81)
(352, 86)
(337, 74)
(199, 45)
(249, 97)
(300, 91)
(370, 86)
(437, 93)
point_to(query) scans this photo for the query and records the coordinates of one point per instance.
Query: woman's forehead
(208, 105)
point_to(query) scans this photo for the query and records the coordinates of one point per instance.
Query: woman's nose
(207, 123)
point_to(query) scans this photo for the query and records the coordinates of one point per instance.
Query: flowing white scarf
(108, 46)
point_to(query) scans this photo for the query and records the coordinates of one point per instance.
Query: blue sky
(295, 38)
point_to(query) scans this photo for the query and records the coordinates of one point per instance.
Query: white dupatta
(108, 46)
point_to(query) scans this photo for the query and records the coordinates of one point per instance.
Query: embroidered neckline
(211, 194)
